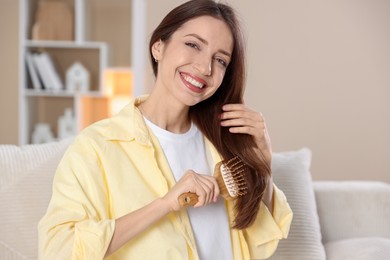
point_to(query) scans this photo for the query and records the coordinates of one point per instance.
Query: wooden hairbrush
(230, 179)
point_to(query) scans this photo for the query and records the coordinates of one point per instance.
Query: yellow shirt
(115, 167)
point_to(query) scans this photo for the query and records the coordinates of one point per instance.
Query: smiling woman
(194, 58)
(116, 190)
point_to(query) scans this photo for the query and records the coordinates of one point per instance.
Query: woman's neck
(166, 114)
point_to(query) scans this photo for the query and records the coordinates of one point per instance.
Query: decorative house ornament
(42, 134)
(66, 125)
(77, 78)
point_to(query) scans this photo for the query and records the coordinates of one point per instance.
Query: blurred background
(319, 71)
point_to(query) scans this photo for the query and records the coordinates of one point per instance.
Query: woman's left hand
(241, 119)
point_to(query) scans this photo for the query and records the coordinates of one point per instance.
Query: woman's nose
(204, 66)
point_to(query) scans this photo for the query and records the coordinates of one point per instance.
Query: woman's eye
(192, 45)
(221, 61)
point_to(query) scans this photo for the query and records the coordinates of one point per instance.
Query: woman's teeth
(193, 82)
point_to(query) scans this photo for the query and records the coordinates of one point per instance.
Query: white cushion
(367, 248)
(16, 161)
(350, 209)
(25, 196)
(291, 173)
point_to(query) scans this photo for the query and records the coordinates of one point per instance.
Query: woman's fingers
(204, 186)
(242, 120)
(210, 186)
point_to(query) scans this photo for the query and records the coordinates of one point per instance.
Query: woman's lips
(193, 83)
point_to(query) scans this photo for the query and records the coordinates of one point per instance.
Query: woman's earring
(155, 60)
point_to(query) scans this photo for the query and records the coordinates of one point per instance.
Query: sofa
(332, 219)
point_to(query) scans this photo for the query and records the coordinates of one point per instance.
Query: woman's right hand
(204, 186)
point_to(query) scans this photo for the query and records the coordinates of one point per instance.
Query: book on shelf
(47, 71)
(36, 83)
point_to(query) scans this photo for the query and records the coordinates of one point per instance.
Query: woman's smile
(192, 82)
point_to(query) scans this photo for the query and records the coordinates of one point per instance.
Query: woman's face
(193, 62)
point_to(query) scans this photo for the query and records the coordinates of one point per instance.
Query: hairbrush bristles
(233, 176)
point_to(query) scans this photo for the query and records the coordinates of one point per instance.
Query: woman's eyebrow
(206, 43)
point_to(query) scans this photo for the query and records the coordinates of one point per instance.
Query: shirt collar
(128, 124)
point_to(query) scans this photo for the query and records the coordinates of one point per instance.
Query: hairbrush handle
(188, 199)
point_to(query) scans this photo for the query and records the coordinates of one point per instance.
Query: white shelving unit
(46, 106)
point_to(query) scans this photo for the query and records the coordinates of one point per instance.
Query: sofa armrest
(350, 209)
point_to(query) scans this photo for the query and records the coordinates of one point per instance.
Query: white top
(209, 223)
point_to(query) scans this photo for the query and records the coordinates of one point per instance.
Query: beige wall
(318, 70)
(9, 37)
(110, 19)
(320, 73)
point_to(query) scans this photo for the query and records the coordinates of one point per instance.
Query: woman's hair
(205, 114)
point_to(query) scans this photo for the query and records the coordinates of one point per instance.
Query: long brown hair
(205, 113)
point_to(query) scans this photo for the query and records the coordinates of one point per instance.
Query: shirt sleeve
(264, 235)
(77, 224)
